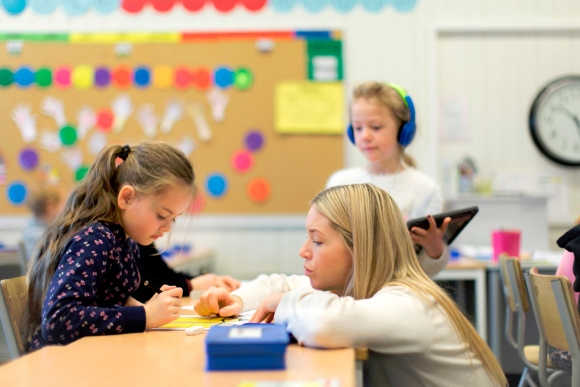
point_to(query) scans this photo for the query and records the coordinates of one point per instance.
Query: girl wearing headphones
(382, 125)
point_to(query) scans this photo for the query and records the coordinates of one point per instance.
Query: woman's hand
(218, 301)
(432, 238)
(266, 310)
(163, 307)
(206, 281)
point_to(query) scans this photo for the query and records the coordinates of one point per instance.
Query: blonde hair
(372, 227)
(149, 168)
(389, 98)
(41, 196)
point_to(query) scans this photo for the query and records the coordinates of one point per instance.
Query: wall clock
(555, 120)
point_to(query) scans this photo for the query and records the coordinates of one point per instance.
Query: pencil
(146, 283)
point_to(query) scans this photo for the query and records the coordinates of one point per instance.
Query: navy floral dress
(93, 280)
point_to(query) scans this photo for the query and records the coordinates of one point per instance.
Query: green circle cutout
(81, 172)
(68, 135)
(6, 77)
(43, 77)
(244, 79)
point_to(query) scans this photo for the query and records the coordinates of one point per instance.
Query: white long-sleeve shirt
(415, 193)
(411, 342)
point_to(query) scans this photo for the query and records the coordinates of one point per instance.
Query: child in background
(364, 287)
(45, 202)
(571, 242)
(382, 125)
(84, 270)
(153, 268)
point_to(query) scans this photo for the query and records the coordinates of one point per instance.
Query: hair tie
(125, 150)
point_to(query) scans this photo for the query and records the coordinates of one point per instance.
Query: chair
(22, 257)
(550, 328)
(12, 313)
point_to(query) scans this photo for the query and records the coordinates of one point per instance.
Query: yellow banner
(109, 38)
(303, 107)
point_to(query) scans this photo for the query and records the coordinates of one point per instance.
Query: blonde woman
(364, 287)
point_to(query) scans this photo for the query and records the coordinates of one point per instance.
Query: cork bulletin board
(289, 168)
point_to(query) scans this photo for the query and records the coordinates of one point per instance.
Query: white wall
(390, 46)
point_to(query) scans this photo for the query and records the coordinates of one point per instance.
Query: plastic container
(505, 242)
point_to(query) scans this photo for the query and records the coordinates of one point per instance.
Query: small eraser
(194, 330)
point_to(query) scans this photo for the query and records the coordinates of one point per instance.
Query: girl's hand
(163, 307)
(265, 312)
(432, 238)
(206, 281)
(218, 301)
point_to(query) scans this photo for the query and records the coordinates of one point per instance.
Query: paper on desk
(184, 322)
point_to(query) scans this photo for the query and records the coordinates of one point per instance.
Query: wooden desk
(163, 358)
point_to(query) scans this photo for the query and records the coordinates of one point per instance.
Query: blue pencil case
(246, 347)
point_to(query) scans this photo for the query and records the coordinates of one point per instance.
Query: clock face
(555, 121)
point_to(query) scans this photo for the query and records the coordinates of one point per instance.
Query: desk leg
(481, 304)
(495, 318)
(359, 373)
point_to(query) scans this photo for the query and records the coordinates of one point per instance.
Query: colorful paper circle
(404, 5)
(223, 77)
(193, 5)
(133, 6)
(243, 78)
(254, 141)
(374, 5)
(68, 135)
(254, 5)
(182, 78)
(162, 5)
(102, 77)
(105, 118)
(142, 76)
(216, 185)
(82, 77)
(122, 76)
(24, 77)
(14, 7)
(106, 7)
(314, 5)
(162, 77)
(224, 5)
(16, 193)
(6, 77)
(62, 77)
(343, 6)
(81, 172)
(259, 190)
(202, 78)
(242, 161)
(43, 77)
(28, 159)
(76, 7)
(283, 6)
(44, 7)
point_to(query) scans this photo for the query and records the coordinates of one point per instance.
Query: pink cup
(505, 242)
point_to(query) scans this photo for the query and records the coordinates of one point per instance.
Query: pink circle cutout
(242, 161)
(62, 77)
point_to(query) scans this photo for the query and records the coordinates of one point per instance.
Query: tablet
(459, 219)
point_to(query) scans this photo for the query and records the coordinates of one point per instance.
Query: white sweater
(411, 341)
(415, 193)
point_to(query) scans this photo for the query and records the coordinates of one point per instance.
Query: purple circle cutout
(254, 141)
(102, 77)
(28, 159)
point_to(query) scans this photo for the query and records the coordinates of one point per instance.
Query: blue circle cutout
(216, 185)
(106, 7)
(142, 76)
(44, 7)
(24, 76)
(283, 6)
(76, 7)
(343, 6)
(313, 6)
(14, 7)
(224, 77)
(16, 193)
(404, 5)
(374, 5)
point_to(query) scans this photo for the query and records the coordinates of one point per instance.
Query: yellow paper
(137, 37)
(309, 108)
(82, 77)
(184, 322)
